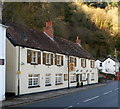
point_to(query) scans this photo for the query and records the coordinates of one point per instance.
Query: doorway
(88, 78)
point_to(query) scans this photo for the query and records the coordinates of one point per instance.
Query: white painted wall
(110, 66)
(11, 66)
(2, 56)
(41, 69)
(97, 64)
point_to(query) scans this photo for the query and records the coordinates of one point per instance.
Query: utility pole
(115, 53)
(1, 7)
(68, 73)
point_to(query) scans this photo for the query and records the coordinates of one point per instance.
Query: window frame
(59, 60)
(65, 77)
(84, 77)
(48, 57)
(48, 76)
(32, 78)
(34, 55)
(92, 64)
(83, 62)
(92, 76)
(57, 78)
(73, 78)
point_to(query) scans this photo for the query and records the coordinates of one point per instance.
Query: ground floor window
(65, 77)
(48, 80)
(58, 79)
(84, 76)
(92, 77)
(33, 80)
(72, 78)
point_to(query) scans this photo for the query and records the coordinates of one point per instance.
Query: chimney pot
(48, 23)
(78, 41)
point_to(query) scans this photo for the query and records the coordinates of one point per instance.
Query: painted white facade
(42, 70)
(98, 64)
(108, 66)
(3, 61)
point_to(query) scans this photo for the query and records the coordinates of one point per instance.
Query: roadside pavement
(15, 101)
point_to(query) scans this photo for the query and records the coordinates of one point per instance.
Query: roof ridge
(67, 40)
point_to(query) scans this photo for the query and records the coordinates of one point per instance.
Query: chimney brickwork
(78, 41)
(49, 29)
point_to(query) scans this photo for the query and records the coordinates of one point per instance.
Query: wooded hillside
(95, 24)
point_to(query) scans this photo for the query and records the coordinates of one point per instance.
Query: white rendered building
(110, 66)
(2, 60)
(40, 61)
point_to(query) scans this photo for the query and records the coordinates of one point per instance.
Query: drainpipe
(68, 74)
(19, 71)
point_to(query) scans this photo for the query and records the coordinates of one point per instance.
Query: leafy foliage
(94, 26)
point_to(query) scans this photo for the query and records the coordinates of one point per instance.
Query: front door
(78, 78)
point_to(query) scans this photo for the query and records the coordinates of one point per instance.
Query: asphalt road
(105, 96)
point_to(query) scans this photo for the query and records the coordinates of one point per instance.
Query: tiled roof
(25, 37)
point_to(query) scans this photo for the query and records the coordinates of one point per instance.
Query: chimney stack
(78, 41)
(49, 29)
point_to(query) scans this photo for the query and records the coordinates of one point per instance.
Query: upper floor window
(100, 64)
(92, 64)
(33, 57)
(48, 58)
(73, 60)
(58, 60)
(72, 64)
(83, 63)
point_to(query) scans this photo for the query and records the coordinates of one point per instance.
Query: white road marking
(117, 89)
(68, 107)
(91, 99)
(107, 92)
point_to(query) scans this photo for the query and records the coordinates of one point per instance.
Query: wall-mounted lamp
(22, 63)
(77, 70)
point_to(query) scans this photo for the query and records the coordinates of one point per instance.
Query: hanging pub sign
(1, 61)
